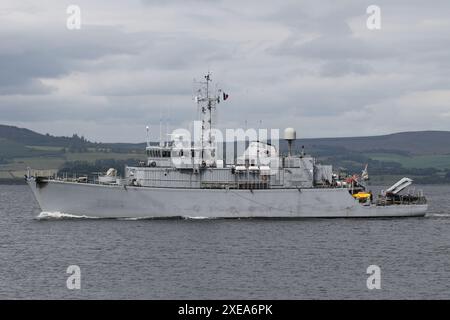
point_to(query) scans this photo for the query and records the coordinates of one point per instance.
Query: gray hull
(104, 201)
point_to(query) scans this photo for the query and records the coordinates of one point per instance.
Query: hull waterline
(112, 201)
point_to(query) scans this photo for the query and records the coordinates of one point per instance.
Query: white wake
(440, 215)
(197, 218)
(60, 215)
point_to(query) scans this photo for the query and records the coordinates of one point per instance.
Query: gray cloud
(337, 69)
(312, 65)
(52, 54)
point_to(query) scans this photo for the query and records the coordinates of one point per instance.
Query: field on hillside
(422, 155)
(17, 167)
(415, 161)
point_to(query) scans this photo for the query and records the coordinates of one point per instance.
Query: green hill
(404, 143)
(414, 143)
(28, 137)
(423, 155)
(21, 148)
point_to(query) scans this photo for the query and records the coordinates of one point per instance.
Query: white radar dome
(290, 134)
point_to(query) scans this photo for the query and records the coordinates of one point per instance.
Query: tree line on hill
(346, 154)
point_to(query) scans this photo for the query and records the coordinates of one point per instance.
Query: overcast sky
(313, 65)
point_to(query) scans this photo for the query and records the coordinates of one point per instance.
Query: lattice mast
(207, 99)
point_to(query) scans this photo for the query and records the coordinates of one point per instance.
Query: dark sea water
(223, 259)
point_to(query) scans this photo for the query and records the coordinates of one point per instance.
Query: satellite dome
(290, 134)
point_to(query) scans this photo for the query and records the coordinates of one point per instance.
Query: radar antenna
(207, 107)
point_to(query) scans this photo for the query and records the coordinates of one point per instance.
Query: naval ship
(182, 178)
